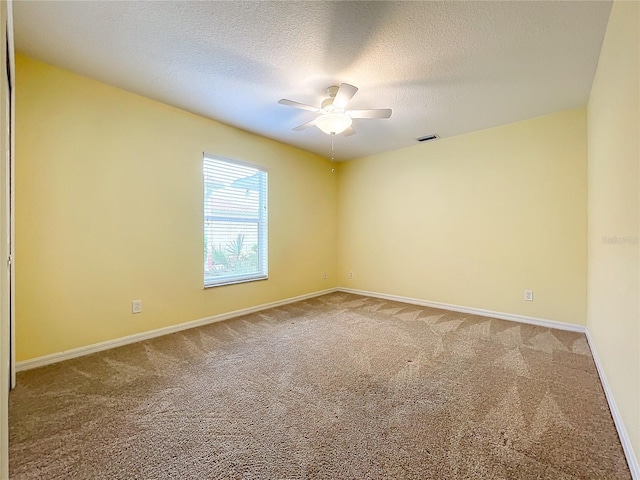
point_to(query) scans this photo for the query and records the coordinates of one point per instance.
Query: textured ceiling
(443, 67)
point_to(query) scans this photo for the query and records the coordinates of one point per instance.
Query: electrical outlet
(136, 306)
(528, 295)
(350, 274)
(324, 275)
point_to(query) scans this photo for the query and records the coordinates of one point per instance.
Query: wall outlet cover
(136, 306)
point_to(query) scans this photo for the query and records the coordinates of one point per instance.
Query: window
(235, 222)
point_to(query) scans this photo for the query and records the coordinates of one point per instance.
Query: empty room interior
(305, 240)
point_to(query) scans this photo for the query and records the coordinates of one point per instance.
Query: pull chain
(332, 156)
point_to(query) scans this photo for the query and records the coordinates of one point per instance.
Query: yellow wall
(614, 213)
(109, 209)
(473, 220)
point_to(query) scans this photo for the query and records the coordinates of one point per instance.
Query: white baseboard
(632, 460)
(615, 413)
(97, 347)
(138, 337)
(474, 311)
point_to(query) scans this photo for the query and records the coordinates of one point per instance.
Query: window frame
(262, 221)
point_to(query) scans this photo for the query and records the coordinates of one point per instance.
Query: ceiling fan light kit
(333, 123)
(334, 119)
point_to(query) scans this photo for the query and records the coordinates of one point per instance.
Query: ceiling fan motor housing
(327, 103)
(332, 91)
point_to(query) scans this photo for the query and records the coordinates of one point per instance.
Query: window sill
(236, 281)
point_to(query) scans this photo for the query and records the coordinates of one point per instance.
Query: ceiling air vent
(428, 138)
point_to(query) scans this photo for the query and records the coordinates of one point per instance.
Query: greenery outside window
(235, 222)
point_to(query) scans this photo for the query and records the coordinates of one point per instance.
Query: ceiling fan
(334, 118)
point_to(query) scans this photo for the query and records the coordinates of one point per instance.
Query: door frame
(7, 339)
(11, 184)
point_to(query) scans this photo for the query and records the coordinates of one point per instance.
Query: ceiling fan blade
(348, 132)
(305, 125)
(344, 94)
(375, 113)
(302, 106)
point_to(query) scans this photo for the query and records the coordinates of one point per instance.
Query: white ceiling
(443, 67)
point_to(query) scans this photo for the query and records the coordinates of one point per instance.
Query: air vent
(428, 138)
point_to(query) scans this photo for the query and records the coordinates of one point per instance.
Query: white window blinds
(235, 222)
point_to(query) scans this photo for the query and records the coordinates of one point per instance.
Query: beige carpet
(337, 387)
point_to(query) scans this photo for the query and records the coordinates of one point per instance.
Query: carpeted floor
(336, 387)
